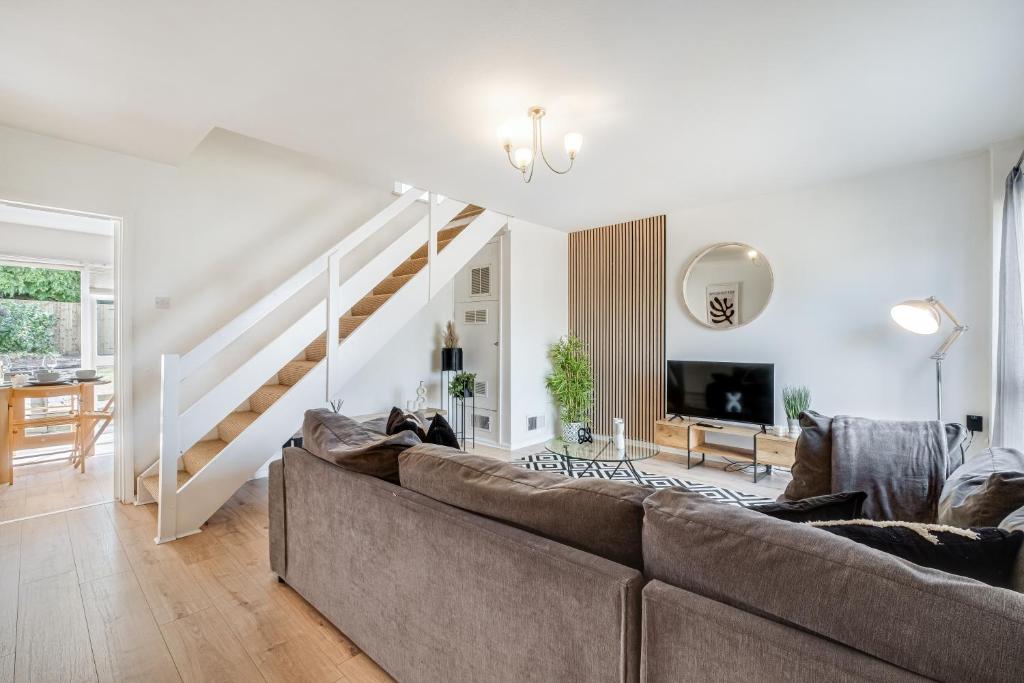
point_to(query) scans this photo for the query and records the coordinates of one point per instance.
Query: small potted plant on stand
(571, 384)
(461, 388)
(796, 400)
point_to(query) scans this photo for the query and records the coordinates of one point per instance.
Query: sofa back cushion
(984, 490)
(599, 516)
(932, 623)
(345, 442)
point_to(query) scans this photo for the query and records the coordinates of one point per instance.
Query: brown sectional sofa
(476, 570)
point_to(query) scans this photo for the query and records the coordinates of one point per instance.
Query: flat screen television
(735, 392)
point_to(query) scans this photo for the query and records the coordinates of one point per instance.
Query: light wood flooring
(86, 595)
(50, 487)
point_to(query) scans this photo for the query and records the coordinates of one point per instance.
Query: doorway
(60, 433)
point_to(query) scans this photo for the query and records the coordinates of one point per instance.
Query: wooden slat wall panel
(617, 306)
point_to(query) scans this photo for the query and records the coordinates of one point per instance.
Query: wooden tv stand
(688, 435)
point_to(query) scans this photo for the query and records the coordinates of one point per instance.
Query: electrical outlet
(974, 423)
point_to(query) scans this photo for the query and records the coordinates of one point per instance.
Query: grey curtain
(1008, 422)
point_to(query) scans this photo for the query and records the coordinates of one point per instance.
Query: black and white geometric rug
(549, 462)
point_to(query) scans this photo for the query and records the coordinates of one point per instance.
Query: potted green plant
(796, 400)
(451, 354)
(571, 384)
(462, 385)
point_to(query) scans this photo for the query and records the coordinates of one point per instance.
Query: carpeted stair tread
(410, 266)
(317, 349)
(294, 371)
(448, 234)
(391, 284)
(234, 424)
(203, 452)
(350, 322)
(369, 304)
(152, 483)
(266, 396)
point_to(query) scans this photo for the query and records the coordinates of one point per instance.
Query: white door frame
(124, 459)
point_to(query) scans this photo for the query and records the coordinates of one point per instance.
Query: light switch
(163, 302)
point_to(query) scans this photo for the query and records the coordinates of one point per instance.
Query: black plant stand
(460, 431)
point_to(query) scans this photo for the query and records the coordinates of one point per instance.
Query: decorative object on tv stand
(727, 285)
(524, 158)
(571, 383)
(619, 433)
(924, 316)
(796, 400)
(421, 396)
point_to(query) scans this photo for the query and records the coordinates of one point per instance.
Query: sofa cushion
(441, 434)
(345, 442)
(400, 421)
(812, 468)
(834, 506)
(984, 490)
(988, 554)
(1015, 522)
(932, 623)
(598, 516)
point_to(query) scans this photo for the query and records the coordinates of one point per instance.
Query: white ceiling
(680, 103)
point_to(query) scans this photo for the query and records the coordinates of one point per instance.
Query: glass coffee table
(602, 450)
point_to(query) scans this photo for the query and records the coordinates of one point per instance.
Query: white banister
(219, 340)
(169, 450)
(334, 310)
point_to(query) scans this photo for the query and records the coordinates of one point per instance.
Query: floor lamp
(924, 316)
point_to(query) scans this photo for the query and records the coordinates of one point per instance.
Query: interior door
(477, 318)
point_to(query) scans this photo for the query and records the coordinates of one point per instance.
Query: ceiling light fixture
(523, 159)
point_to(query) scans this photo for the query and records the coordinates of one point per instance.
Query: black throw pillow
(835, 506)
(441, 433)
(398, 421)
(986, 554)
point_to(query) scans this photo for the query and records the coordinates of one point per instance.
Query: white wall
(215, 234)
(842, 255)
(538, 314)
(46, 243)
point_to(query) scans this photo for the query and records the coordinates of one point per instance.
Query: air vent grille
(534, 422)
(476, 316)
(482, 422)
(480, 389)
(480, 281)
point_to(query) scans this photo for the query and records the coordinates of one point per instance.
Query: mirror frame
(705, 252)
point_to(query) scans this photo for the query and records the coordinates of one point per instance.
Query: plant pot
(571, 431)
(451, 359)
(794, 426)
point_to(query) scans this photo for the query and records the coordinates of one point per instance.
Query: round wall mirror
(727, 285)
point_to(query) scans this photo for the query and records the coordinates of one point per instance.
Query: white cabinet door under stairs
(212, 447)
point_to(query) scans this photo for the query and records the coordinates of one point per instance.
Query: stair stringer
(465, 246)
(210, 487)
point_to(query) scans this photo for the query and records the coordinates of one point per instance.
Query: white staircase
(248, 417)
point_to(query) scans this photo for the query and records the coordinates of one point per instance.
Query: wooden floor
(54, 486)
(86, 595)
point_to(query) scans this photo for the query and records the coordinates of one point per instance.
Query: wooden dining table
(7, 447)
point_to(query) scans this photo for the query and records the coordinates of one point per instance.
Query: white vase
(571, 432)
(794, 426)
(619, 433)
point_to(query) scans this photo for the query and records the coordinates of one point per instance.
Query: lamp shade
(917, 316)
